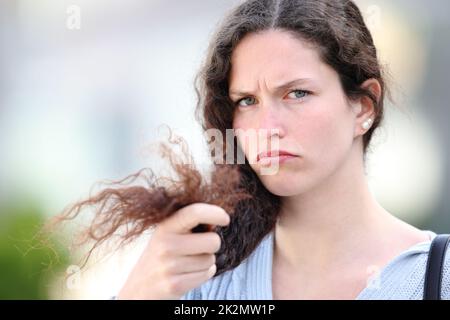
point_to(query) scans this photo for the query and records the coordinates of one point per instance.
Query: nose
(271, 119)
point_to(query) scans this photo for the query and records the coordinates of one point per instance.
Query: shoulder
(445, 272)
(404, 277)
(445, 285)
(238, 283)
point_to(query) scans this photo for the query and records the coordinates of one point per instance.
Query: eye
(301, 93)
(238, 103)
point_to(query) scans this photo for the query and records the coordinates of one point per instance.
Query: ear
(364, 108)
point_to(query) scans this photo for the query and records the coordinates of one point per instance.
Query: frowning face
(285, 92)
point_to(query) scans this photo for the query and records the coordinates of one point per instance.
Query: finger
(188, 281)
(196, 243)
(191, 263)
(199, 213)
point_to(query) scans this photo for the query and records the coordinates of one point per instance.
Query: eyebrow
(278, 88)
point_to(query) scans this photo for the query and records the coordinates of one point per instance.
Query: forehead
(276, 55)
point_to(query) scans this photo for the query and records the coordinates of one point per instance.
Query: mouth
(280, 154)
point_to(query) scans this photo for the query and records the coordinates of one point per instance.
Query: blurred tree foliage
(27, 265)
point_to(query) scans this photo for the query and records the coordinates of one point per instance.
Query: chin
(281, 186)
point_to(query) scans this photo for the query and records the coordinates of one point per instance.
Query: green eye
(238, 103)
(302, 93)
(299, 94)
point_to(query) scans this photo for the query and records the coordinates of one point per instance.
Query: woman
(306, 72)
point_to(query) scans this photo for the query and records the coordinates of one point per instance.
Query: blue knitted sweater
(401, 278)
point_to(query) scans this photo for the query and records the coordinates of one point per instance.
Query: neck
(317, 228)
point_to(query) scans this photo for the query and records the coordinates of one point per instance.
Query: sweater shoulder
(404, 277)
(445, 284)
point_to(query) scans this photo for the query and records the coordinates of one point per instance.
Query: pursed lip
(275, 153)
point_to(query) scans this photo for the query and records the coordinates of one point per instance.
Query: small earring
(366, 124)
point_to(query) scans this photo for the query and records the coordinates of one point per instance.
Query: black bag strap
(435, 264)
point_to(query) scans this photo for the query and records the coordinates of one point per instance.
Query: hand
(176, 260)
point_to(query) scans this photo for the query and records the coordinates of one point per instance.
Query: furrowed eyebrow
(278, 88)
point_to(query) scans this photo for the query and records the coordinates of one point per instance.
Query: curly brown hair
(337, 30)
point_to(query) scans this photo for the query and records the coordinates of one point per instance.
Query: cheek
(245, 134)
(315, 132)
(325, 130)
(242, 121)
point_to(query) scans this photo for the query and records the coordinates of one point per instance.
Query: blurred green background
(27, 262)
